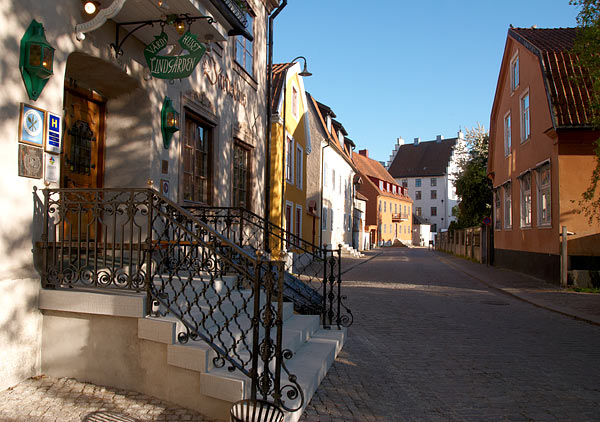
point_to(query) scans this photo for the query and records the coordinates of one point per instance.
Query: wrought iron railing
(136, 239)
(313, 274)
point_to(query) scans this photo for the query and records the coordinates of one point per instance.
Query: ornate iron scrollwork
(80, 154)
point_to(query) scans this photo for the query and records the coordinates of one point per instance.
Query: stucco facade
(389, 208)
(289, 152)
(221, 96)
(427, 170)
(539, 164)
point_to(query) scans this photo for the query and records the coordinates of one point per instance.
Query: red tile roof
(567, 84)
(317, 109)
(279, 71)
(372, 168)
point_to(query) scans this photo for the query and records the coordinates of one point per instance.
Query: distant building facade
(426, 170)
(389, 208)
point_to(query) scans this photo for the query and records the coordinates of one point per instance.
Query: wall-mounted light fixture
(35, 60)
(169, 121)
(90, 7)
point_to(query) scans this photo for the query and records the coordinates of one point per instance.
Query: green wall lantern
(169, 121)
(35, 60)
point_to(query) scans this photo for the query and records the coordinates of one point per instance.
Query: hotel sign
(174, 67)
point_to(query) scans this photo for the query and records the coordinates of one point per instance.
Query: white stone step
(309, 364)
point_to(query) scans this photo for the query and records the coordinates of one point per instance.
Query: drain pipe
(268, 134)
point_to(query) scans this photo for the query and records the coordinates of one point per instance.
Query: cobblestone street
(47, 399)
(430, 343)
(435, 338)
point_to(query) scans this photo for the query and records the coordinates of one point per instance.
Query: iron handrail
(136, 239)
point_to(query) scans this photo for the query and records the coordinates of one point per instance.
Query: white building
(332, 167)
(426, 169)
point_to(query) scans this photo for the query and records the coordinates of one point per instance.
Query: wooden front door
(82, 164)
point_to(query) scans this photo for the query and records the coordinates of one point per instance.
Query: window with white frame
(514, 73)
(433, 181)
(418, 183)
(433, 194)
(507, 134)
(289, 160)
(394, 189)
(244, 50)
(497, 206)
(324, 218)
(543, 194)
(417, 194)
(507, 205)
(525, 118)
(299, 166)
(404, 183)
(526, 200)
(333, 179)
(418, 211)
(433, 211)
(295, 101)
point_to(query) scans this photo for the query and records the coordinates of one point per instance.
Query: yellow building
(288, 207)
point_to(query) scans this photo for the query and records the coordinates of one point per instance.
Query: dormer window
(329, 123)
(341, 137)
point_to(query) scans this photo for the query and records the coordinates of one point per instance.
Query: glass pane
(47, 63)
(248, 65)
(35, 54)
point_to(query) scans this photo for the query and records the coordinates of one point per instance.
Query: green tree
(473, 187)
(587, 49)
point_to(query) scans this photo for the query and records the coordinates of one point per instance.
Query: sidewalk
(581, 306)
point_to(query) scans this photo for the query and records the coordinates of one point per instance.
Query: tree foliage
(587, 48)
(473, 187)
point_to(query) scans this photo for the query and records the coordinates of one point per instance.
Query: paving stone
(431, 341)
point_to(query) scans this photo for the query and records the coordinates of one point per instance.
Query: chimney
(460, 134)
(364, 152)
(417, 140)
(439, 138)
(400, 141)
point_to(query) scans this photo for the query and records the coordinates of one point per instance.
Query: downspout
(268, 135)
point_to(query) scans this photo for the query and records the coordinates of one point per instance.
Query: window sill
(524, 141)
(526, 227)
(544, 226)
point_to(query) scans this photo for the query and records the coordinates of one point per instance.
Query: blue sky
(394, 68)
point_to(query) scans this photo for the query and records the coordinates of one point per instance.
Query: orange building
(389, 208)
(541, 155)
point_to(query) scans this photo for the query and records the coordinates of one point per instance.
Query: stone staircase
(348, 250)
(314, 348)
